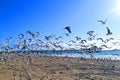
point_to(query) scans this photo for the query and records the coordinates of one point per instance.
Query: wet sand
(59, 68)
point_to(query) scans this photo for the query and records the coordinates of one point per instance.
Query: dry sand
(60, 68)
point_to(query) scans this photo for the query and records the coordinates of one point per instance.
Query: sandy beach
(59, 68)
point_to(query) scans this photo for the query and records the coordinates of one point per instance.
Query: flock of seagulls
(54, 42)
(35, 43)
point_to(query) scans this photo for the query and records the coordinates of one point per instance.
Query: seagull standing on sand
(108, 31)
(68, 29)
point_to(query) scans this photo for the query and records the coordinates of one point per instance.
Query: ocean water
(105, 54)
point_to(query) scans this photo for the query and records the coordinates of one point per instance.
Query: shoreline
(60, 68)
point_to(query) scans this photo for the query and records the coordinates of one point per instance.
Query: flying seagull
(108, 31)
(67, 34)
(100, 39)
(48, 37)
(90, 33)
(21, 36)
(37, 34)
(29, 32)
(104, 46)
(68, 29)
(82, 41)
(57, 38)
(103, 22)
(32, 34)
(78, 38)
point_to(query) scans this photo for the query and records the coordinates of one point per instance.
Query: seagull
(82, 41)
(100, 39)
(57, 38)
(67, 34)
(37, 34)
(104, 46)
(48, 37)
(34, 35)
(29, 40)
(78, 38)
(39, 41)
(113, 67)
(108, 31)
(90, 33)
(21, 36)
(29, 32)
(10, 37)
(103, 22)
(68, 29)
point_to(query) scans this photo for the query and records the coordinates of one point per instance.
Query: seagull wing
(100, 21)
(66, 34)
(108, 30)
(68, 29)
(21, 35)
(105, 20)
(28, 32)
(100, 39)
(37, 34)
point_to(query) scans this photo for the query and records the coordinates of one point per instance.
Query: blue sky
(51, 16)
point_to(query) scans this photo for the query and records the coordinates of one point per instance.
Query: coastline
(60, 68)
